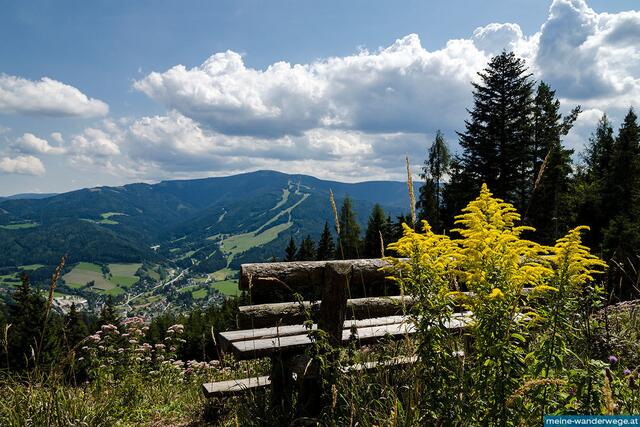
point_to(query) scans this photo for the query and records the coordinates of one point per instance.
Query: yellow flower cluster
(491, 258)
(574, 265)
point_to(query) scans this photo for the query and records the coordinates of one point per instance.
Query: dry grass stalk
(541, 171)
(335, 211)
(529, 385)
(381, 244)
(607, 394)
(412, 197)
(52, 286)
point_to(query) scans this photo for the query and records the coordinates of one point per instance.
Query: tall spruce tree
(497, 141)
(600, 150)
(377, 230)
(326, 246)
(75, 327)
(108, 313)
(589, 184)
(436, 166)
(622, 174)
(621, 199)
(548, 207)
(349, 237)
(26, 315)
(291, 250)
(307, 250)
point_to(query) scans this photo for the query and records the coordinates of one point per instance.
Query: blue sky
(375, 81)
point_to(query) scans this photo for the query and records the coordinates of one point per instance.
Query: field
(199, 293)
(106, 218)
(19, 225)
(12, 279)
(9, 280)
(31, 267)
(227, 287)
(122, 277)
(223, 274)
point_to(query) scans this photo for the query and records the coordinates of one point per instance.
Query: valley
(173, 245)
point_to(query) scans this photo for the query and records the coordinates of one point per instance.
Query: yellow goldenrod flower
(496, 293)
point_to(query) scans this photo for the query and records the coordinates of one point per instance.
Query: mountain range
(214, 222)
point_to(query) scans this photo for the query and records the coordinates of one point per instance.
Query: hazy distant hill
(27, 196)
(247, 217)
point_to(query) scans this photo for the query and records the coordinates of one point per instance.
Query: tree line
(351, 243)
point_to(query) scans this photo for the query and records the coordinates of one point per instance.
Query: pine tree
(396, 230)
(326, 246)
(108, 313)
(621, 199)
(590, 183)
(497, 140)
(291, 250)
(26, 315)
(75, 327)
(377, 230)
(622, 173)
(600, 149)
(349, 238)
(548, 207)
(307, 250)
(435, 168)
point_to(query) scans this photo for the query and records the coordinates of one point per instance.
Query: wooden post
(334, 300)
(333, 309)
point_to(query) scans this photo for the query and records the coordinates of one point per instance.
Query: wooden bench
(275, 330)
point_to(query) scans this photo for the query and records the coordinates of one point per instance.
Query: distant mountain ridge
(245, 217)
(22, 196)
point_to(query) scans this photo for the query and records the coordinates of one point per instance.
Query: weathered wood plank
(232, 387)
(278, 281)
(262, 347)
(226, 338)
(370, 366)
(291, 313)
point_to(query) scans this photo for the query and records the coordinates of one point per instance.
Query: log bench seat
(264, 342)
(235, 387)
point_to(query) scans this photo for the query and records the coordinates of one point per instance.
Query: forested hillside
(165, 221)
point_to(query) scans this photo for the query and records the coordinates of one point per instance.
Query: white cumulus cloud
(399, 88)
(23, 165)
(46, 97)
(31, 144)
(100, 142)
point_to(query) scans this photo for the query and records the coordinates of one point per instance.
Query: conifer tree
(307, 250)
(548, 208)
(621, 199)
(291, 250)
(349, 238)
(26, 315)
(622, 174)
(590, 183)
(497, 140)
(600, 149)
(108, 313)
(435, 168)
(326, 246)
(377, 231)
(76, 328)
